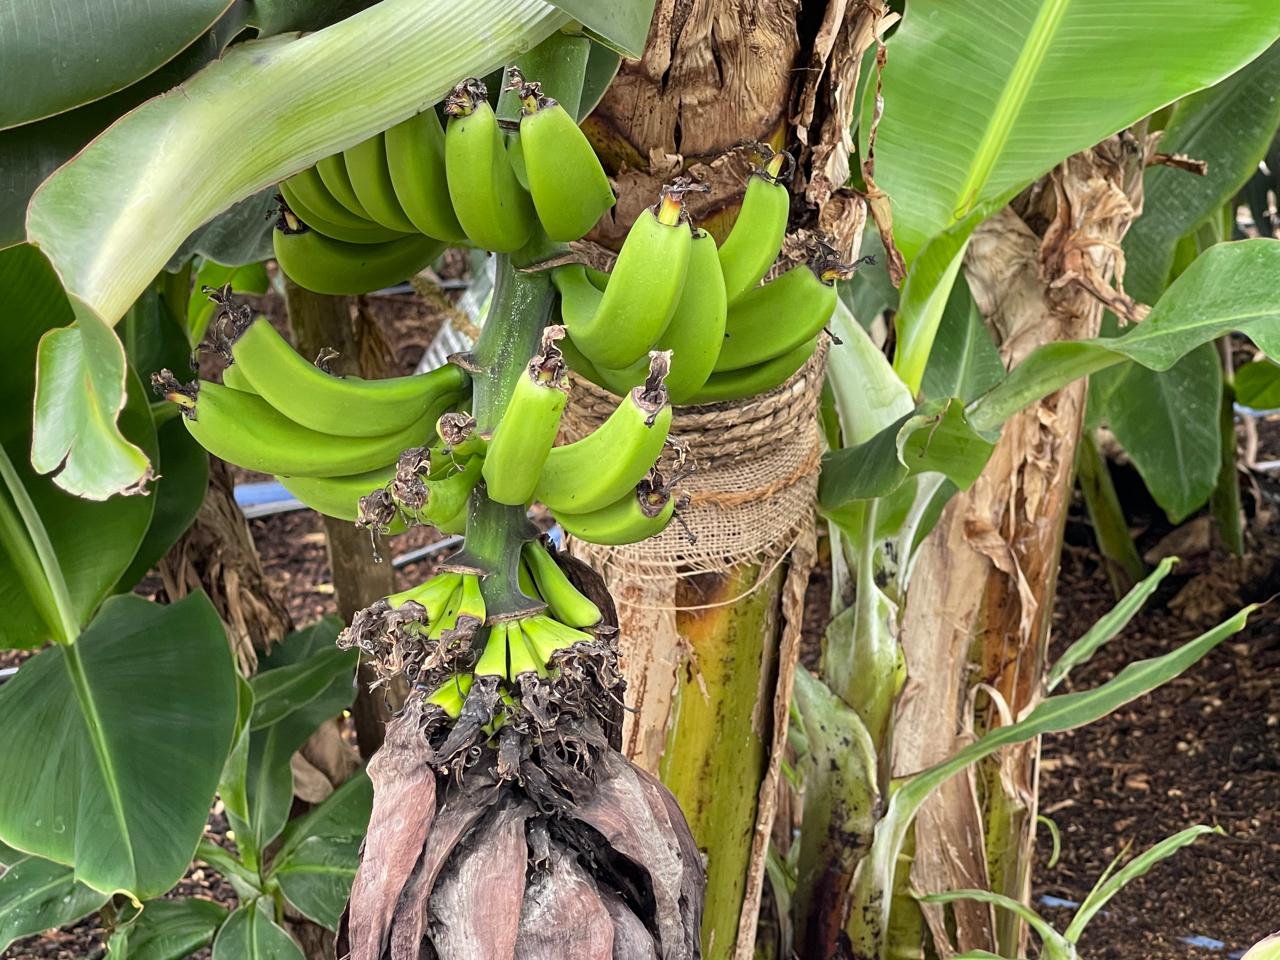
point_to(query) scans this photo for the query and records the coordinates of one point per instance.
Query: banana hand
(334, 176)
(244, 429)
(346, 406)
(587, 475)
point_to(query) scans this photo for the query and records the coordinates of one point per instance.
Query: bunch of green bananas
(672, 289)
(434, 633)
(385, 208)
(348, 447)
(602, 488)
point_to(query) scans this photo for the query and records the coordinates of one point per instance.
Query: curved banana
(694, 334)
(522, 656)
(340, 496)
(579, 364)
(465, 603)
(371, 179)
(592, 472)
(527, 431)
(308, 191)
(324, 265)
(333, 174)
(775, 319)
(415, 158)
(493, 660)
(432, 594)
(369, 232)
(492, 207)
(617, 327)
(563, 599)
(637, 515)
(451, 694)
(447, 497)
(755, 240)
(749, 381)
(244, 429)
(569, 187)
(347, 406)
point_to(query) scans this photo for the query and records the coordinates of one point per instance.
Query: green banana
(447, 498)
(616, 328)
(569, 187)
(755, 240)
(546, 636)
(371, 179)
(309, 192)
(464, 603)
(347, 406)
(415, 158)
(433, 594)
(324, 265)
(340, 496)
(637, 515)
(522, 657)
(244, 429)
(451, 694)
(563, 599)
(524, 436)
(367, 232)
(580, 364)
(492, 207)
(333, 174)
(590, 473)
(493, 660)
(749, 381)
(773, 320)
(694, 334)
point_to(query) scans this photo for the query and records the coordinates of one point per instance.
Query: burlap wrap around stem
(751, 506)
(755, 475)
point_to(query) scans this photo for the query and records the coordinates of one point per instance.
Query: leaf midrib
(1009, 106)
(95, 730)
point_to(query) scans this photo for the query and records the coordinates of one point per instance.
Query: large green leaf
(51, 61)
(124, 735)
(55, 545)
(317, 859)
(1053, 715)
(110, 219)
(251, 934)
(1229, 126)
(301, 708)
(956, 143)
(31, 152)
(964, 361)
(982, 98)
(1168, 424)
(1229, 287)
(934, 438)
(38, 894)
(169, 930)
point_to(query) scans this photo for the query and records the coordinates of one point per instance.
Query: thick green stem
(1124, 566)
(512, 334)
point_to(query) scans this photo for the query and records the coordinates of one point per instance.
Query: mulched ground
(1203, 749)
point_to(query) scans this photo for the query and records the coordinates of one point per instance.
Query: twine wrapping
(752, 491)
